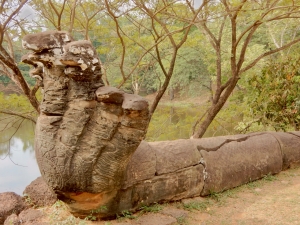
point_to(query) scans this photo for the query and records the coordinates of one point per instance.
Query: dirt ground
(273, 200)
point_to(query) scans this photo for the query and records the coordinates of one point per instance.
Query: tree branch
(21, 115)
(253, 63)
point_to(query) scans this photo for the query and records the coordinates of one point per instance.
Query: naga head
(86, 132)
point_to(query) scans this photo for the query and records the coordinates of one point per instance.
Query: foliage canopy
(154, 46)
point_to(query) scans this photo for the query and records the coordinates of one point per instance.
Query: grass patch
(179, 104)
(252, 184)
(152, 208)
(93, 214)
(217, 196)
(221, 197)
(260, 182)
(126, 215)
(182, 220)
(196, 205)
(269, 177)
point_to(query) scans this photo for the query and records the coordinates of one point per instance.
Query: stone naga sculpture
(86, 132)
(89, 149)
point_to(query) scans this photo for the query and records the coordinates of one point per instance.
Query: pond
(175, 121)
(18, 165)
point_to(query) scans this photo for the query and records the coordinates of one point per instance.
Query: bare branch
(12, 15)
(11, 49)
(21, 115)
(254, 62)
(120, 38)
(9, 140)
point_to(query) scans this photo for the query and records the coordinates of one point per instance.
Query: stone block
(297, 133)
(142, 165)
(240, 161)
(175, 155)
(185, 183)
(290, 147)
(109, 95)
(214, 143)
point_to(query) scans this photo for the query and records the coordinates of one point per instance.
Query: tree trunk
(212, 112)
(17, 77)
(215, 108)
(171, 93)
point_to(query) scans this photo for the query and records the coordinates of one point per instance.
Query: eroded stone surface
(224, 162)
(142, 165)
(83, 143)
(296, 133)
(174, 155)
(240, 162)
(110, 95)
(214, 143)
(46, 40)
(184, 183)
(290, 148)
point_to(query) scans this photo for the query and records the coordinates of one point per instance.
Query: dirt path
(273, 200)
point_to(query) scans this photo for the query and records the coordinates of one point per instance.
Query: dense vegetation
(243, 53)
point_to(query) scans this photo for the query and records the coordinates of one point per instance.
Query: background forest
(210, 67)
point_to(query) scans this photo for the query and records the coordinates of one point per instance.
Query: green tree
(143, 41)
(275, 98)
(230, 27)
(10, 23)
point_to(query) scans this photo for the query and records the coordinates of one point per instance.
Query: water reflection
(18, 165)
